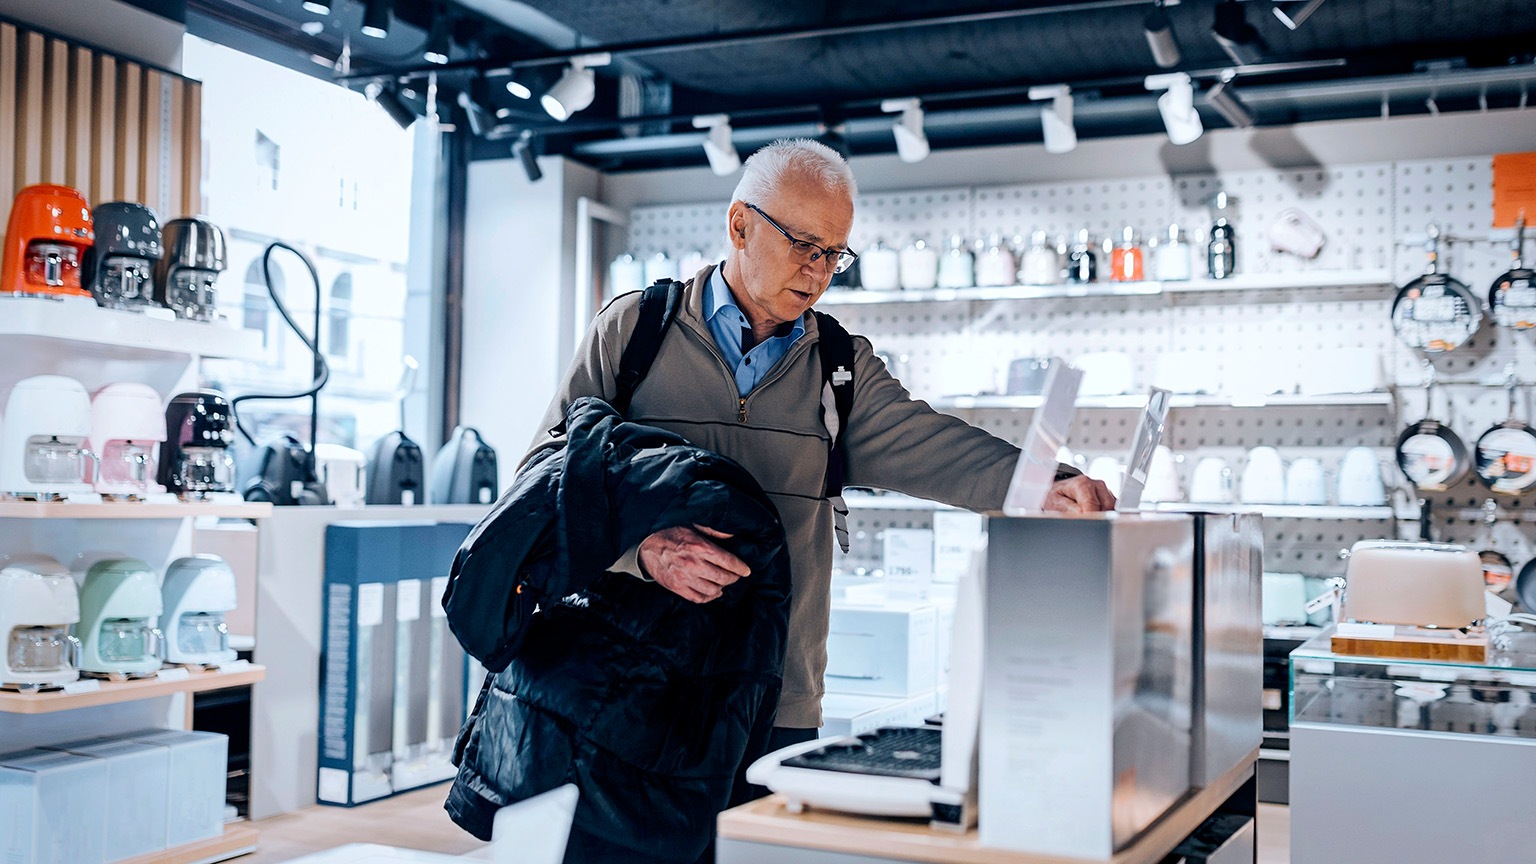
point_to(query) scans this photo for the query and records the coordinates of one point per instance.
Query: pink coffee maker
(127, 426)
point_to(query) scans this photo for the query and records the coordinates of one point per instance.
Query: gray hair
(765, 170)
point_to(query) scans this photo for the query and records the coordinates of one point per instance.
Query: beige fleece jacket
(777, 432)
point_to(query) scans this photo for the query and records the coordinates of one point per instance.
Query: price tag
(173, 673)
(439, 588)
(909, 554)
(957, 536)
(370, 604)
(408, 600)
(84, 685)
(235, 666)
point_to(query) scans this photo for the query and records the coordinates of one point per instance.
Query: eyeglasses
(807, 252)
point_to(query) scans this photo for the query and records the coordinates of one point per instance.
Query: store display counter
(1412, 760)
(764, 832)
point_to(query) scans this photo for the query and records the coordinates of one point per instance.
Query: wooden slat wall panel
(111, 128)
(7, 110)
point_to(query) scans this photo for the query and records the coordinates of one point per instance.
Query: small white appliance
(127, 426)
(1418, 584)
(1163, 477)
(1305, 483)
(1263, 480)
(1212, 482)
(119, 609)
(1360, 483)
(343, 472)
(197, 593)
(38, 603)
(43, 439)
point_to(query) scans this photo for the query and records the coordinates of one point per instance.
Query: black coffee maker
(195, 457)
(119, 269)
(464, 471)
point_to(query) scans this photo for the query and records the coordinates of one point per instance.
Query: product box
(843, 715)
(136, 797)
(199, 774)
(50, 808)
(392, 675)
(882, 650)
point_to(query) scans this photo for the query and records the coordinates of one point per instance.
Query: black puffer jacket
(647, 702)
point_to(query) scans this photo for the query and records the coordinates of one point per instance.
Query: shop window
(338, 334)
(257, 303)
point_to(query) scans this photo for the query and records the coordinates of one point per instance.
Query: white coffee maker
(44, 435)
(127, 426)
(38, 603)
(196, 593)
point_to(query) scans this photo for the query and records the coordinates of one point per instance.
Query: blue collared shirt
(726, 323)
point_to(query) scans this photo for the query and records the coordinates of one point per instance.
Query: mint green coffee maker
(119, 614)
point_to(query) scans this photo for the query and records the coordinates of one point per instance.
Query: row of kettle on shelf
(1264, 479)
(57, 246)
(57, 441)
(120, 620)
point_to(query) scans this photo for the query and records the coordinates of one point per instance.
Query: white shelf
(1241, 282)
(866, 501)
(132, 510)
(1291, 633)
(1281, 511)
(1026, 403)
(81, 321)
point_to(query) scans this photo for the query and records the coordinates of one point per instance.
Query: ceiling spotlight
(376, 18)
(1160, 38)
(519, 89)
(480, 121)
(1177, 106)
(385, 96)
(522, 148)
(1056, 118)
(1240, 39)
(319, 7)
(1303, 10)
(1225, 100)
(312, 28)
(911, 140)
(575, 89)
(439, 41)
(723, 158)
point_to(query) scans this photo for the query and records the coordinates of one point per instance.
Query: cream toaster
(1420, 584)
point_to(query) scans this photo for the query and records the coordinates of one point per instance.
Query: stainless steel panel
(1230, 672)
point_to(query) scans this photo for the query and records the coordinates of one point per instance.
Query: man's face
(775, 285)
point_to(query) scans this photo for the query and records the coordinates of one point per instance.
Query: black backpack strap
(658, 306)
(836, 349)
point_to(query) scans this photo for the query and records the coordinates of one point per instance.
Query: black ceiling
(1413, 55)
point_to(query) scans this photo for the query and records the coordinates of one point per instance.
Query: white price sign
(909, 554)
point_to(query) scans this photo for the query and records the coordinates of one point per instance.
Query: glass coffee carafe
(52, 264)
(41, 649)
(128, 640)
(128, 463)
(205, 469)
(191, 293)
(50, 460)
(202, 633)
(124, 283)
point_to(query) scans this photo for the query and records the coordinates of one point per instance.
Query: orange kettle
(45, 242)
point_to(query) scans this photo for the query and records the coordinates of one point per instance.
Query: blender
(119, 268)
(38, 602)
(185, 277)
(43, 452)
(195, 458)
(47, 236)
(126, 431)
(197, 592)
(119, 607)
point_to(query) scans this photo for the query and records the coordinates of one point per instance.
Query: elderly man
(738, 373)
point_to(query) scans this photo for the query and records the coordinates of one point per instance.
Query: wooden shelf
(132, 510)
(81, 321)
(239, 838)
(111, 692)
(1241, 282)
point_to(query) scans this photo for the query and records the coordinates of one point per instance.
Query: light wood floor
(416, 820)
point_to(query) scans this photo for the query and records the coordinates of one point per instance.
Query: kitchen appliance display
(1083, 261)
(38, 603)
(1128, 260)
(995, 266)
(919, 264)
(1435, 313)
(119, 269)
(45, 243)
(880, 268)
(127, 428)
(197, 593)
(185, 277)
(1172, 258)
(1042, 265)
(119, 608)
(195, 458)
(43, 439)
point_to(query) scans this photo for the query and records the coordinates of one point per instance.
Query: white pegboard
(1104, 208)
(678, 230)
(866, 539)
(897, 218)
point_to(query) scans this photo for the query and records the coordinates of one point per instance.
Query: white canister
(880, 268)
(1042, 266)
(957, 266)
(919, 266)
(691, 264)
(996, 266)
(1172, 259)
(659, 266)
(625, 274)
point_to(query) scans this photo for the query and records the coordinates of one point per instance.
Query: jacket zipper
(741, 410)
(741, 401)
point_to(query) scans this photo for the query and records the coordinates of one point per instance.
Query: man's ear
(736, 225)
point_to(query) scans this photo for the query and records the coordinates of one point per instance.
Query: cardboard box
(137, 793)
(50, 808)
(884, 650)
(195, 788)
(844, 715)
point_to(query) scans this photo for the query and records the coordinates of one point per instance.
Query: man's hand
(684, 561)
(1080, 494)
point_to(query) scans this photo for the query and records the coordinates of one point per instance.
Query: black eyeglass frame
(844, 258)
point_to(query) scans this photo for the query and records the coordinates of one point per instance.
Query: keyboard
(892, 751)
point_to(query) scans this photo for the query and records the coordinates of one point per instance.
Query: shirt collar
(718, 298)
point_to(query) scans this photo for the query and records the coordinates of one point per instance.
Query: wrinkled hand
(683, 560)
(1080, 494)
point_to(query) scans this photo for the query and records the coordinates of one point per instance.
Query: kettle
(464, 471)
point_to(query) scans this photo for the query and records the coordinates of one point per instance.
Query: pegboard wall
(1293, 340)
